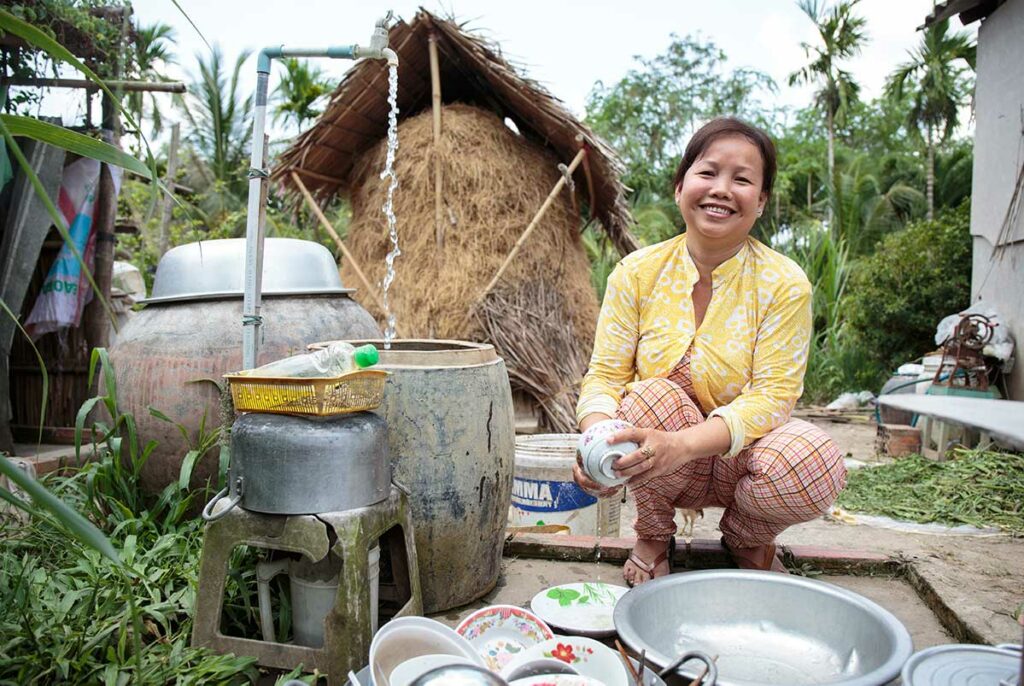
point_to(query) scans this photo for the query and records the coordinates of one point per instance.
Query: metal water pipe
(259, 175)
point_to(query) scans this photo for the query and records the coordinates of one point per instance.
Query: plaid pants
(791, 475)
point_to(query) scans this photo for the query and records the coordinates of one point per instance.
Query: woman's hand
(660, 453)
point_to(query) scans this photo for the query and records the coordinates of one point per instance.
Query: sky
(567, 45)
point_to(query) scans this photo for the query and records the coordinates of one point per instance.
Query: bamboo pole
(590, 180)
(337, 241)
(435, 89)
(526, 233)
(114, 85)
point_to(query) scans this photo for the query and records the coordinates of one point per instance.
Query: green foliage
(934, 82)
(841, 35)
(649, 114)
(68, 615)
(976, 487)
(301, 86)
(69, 22)
(915, 277)
(837, 362)
(221, 121)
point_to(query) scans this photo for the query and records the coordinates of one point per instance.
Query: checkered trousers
(791, 475)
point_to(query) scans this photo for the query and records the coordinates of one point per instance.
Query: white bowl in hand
(599, 456)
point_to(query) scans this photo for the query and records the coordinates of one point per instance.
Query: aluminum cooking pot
(765, 628)
(282, 464)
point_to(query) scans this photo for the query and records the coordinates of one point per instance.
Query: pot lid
(216, 269)
(962, 665)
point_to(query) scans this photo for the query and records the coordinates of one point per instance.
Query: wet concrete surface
(523, 578)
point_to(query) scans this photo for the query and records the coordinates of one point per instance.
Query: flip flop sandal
(649, 567)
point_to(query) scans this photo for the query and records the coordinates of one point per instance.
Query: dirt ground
(980, 578)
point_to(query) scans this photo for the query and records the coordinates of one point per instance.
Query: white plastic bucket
(543, 491)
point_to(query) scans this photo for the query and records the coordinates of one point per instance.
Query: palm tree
(301, 86)
(152, 51)
(220, 119)
(842, 37)
(936, 88)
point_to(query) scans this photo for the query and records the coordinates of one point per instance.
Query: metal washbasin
(216, 269)
(765, 628)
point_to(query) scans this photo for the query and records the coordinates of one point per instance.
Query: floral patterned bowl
(500, 633)
(598, 455)
(590, 658)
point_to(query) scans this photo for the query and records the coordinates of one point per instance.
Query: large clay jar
(451, 434)
(190, 333)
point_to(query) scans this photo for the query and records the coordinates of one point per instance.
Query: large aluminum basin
(765, 628)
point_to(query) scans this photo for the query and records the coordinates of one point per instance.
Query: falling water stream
(389, 204)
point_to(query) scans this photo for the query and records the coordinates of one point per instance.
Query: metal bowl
(765, 628)
(216, 269)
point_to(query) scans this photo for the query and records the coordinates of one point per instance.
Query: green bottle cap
(366, 356)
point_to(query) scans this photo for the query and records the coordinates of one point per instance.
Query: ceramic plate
(588, 657)
(501, 632)
(584, 609)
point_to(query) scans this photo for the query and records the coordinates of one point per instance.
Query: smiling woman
(702, 346)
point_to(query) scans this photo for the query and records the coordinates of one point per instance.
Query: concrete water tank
(451, 436)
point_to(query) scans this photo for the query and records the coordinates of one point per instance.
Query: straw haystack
(456, 234)
(494, 183)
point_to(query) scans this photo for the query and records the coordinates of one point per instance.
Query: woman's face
(720, 195)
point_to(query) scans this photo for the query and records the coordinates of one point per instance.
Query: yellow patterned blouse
(749, 356)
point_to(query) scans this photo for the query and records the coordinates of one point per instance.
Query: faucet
(258, 175)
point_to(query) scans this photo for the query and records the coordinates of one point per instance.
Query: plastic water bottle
(334, 360)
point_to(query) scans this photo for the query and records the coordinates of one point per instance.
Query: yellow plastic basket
(318, 396)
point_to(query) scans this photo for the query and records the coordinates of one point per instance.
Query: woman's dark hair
(729, 126)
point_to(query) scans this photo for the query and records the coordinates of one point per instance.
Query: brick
(897, 440)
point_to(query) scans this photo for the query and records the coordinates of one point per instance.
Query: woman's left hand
(660, 453)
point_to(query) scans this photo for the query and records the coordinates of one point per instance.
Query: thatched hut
(480, 149)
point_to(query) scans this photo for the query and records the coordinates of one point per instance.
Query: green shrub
(916, 277)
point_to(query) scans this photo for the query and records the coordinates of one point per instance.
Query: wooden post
(168, 200)
(95, 319)
(96, 323)
(529, 229)
(337, 241)
(435, 89)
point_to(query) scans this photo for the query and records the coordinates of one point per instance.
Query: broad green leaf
(75, 142)
(187, 465)
(79, 526)
(83, 412)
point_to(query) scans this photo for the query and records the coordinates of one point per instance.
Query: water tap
(378, 47)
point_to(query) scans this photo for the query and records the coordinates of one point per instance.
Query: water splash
(389, 204)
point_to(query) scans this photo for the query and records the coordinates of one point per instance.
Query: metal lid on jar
(962, 665)
(215, 269)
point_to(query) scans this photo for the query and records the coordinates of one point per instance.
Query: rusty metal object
(963, 364)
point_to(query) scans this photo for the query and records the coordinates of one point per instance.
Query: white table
(1002, 420)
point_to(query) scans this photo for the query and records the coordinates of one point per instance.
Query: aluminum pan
(766, 628)
(216, 269)
(961, 665)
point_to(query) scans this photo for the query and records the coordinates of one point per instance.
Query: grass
(70, 615)
(976, 487)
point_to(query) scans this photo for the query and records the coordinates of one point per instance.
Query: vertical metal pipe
(251, 301)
